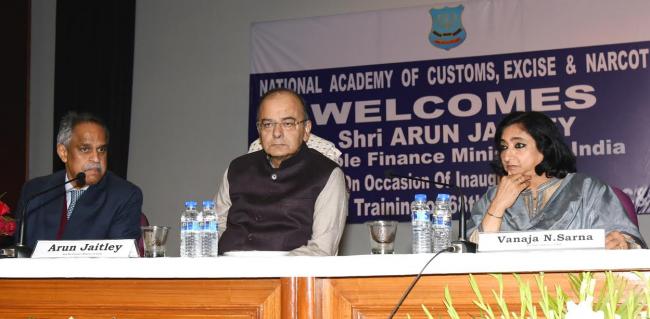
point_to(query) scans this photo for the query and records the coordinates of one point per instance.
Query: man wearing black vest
(286, 197)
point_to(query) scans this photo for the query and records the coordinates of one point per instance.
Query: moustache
(91, 166)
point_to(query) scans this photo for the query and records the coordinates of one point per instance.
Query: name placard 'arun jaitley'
(86, 247)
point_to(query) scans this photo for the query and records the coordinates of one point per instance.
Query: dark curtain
(14, 93)
(94, 69)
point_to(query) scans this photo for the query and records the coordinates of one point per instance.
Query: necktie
(74, 196)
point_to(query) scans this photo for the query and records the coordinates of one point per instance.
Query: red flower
(7, 226)
(4, 208)
(7, 223)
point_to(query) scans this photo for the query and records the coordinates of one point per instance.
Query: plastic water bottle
(209, 230)
(442, 223)
(190, 231)
(421, 225)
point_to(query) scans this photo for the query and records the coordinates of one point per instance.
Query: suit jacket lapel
(46, 209)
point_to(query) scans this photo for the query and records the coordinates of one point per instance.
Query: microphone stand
(461, 245)
(20, 250)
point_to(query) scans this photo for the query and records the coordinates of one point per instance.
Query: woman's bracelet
(495, 216)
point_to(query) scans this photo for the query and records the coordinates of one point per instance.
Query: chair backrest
(627, 204)
(320, 144)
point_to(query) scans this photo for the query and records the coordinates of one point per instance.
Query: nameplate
(103, 248)
(542, 239)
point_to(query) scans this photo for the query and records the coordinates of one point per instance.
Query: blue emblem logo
(447, 30)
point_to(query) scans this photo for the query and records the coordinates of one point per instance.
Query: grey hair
(288, 91)
(72, 119)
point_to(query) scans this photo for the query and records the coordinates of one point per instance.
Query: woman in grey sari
(540, 189)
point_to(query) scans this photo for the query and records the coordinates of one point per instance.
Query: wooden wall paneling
(375, 297)
(289, 297)
(141, 298)
(306, 298)
(286, 298)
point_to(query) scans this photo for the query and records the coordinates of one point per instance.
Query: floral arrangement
(7, 223)
(613, 301)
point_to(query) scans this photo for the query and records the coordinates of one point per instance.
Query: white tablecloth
(339, 266)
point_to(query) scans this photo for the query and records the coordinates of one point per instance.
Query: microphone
(461, 245)
(20, 250)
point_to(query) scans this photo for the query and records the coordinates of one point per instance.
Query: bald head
(275, 92)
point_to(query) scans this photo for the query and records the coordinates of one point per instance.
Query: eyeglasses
(289, 124)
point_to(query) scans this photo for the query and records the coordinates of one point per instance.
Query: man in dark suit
(105, 207)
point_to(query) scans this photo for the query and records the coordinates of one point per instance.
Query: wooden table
(280, 287)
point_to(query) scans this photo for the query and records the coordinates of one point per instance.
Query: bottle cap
(421, 197)
(208, 204)
(190, 204)
(442, 197)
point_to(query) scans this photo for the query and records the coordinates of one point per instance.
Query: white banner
(397, 35)
(419, 91)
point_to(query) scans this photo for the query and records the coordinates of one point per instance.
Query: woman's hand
(508, 190)
(616, 240)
